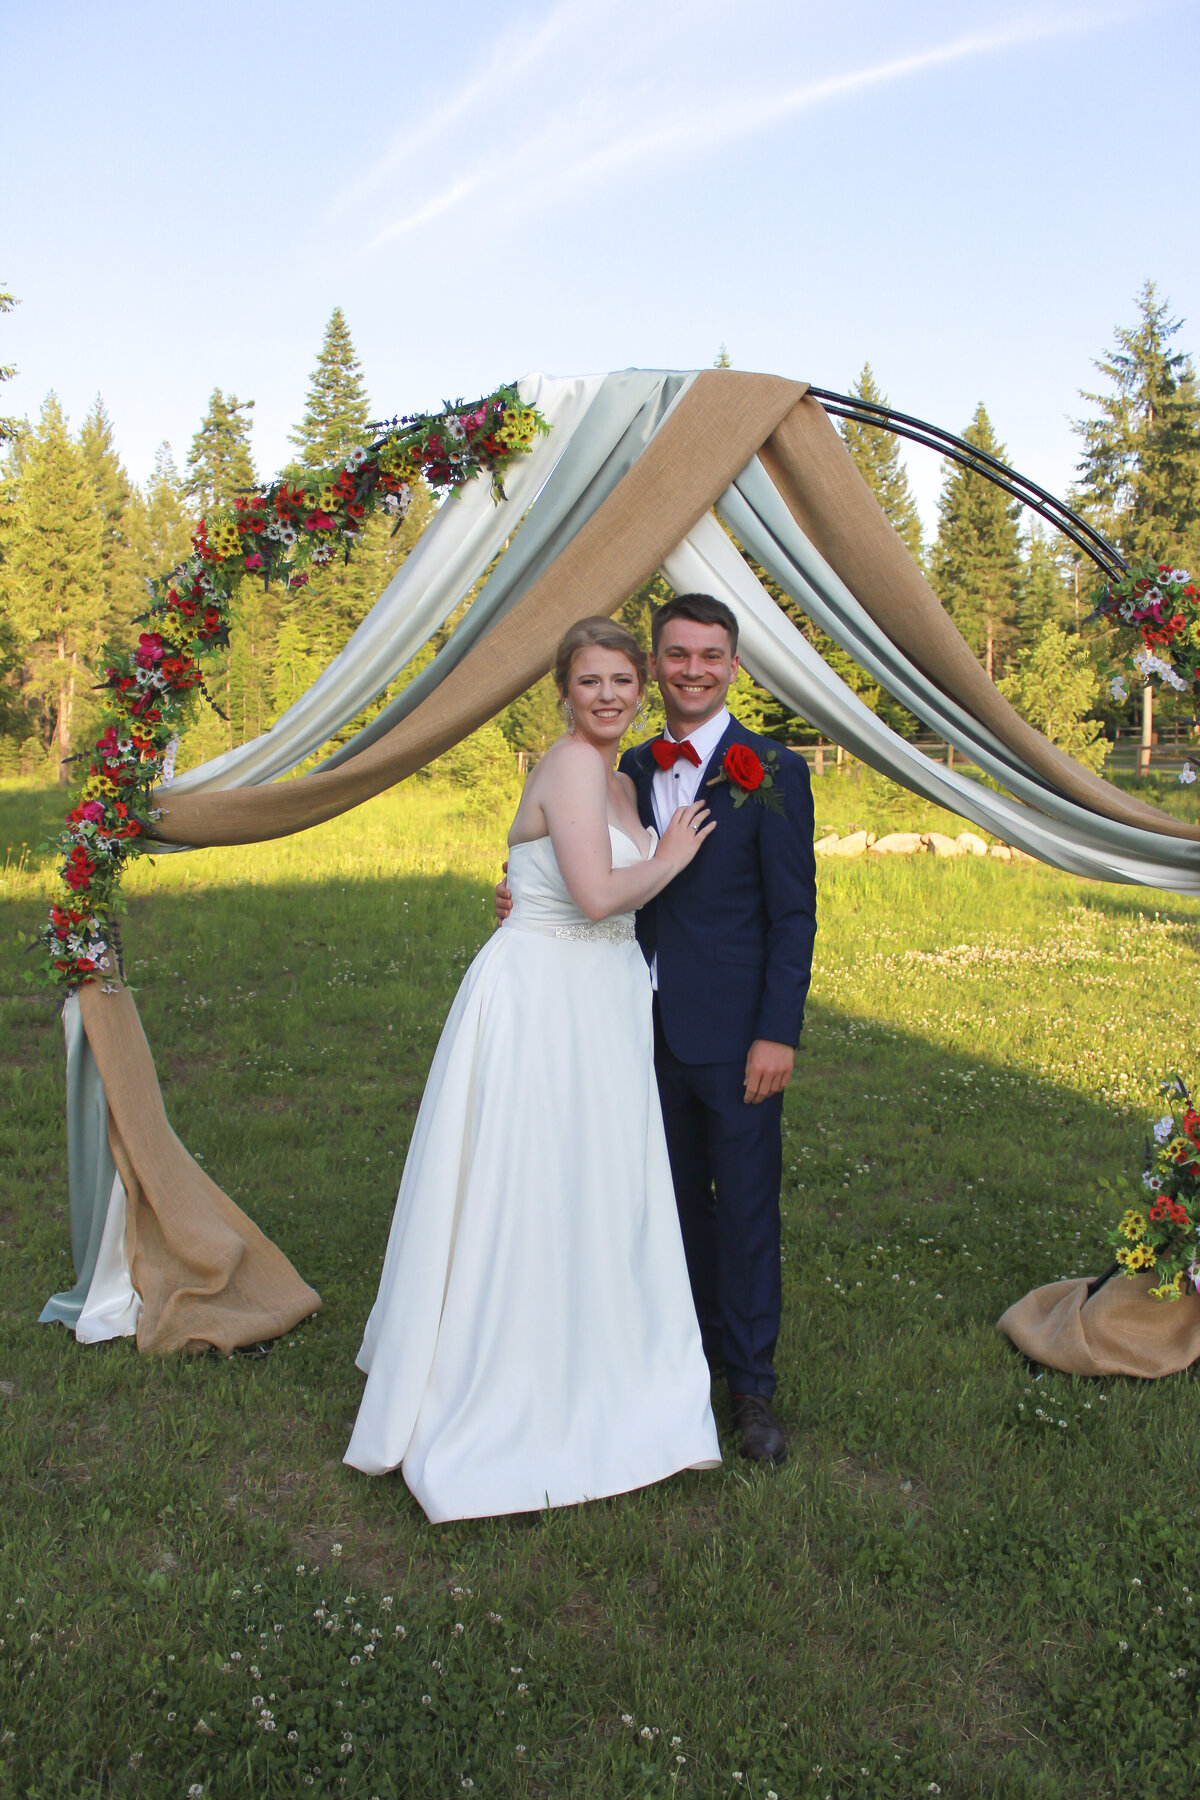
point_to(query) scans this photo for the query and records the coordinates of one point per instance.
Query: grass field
(968, 1579)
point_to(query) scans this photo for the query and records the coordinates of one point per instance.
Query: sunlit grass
(934, 1589)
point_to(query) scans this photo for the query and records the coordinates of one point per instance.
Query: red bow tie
(667, 754)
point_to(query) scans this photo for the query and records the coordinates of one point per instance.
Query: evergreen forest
(78, 537)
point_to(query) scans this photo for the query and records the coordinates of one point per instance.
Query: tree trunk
(66, 694)
(1147, 729)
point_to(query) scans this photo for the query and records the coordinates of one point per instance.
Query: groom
(730, 945)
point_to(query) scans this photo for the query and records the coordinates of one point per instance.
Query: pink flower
(149, 649)
(255, 561)
(92, 811)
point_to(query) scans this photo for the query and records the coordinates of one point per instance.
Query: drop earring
(568, 715)
(639, 721)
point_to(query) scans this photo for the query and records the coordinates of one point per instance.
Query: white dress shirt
(681, 783)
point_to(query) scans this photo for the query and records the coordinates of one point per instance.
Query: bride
(534, 1342)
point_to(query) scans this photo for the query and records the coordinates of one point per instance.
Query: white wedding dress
(534, 1342)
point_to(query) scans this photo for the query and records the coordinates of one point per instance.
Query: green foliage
(337, 410)
(722, 360)
(976, 560)
(52, 595)
(1047, 588)
(533, 720)
(124, 590)
(1140, 468)
(877, 455)
(219, 462)
(163, 522)
(482, 765)
(1054, 687)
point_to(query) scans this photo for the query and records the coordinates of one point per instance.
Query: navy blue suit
(733, 935)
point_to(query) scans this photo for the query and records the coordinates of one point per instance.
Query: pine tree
(1047, 591)
(337, 411)
(976, 560)
(124, 593)
(534, 719)
(722, 360)
(162, 524)
(877, 454)
(219, 462)
(316, 620)
(1140, 469)
(53, 580)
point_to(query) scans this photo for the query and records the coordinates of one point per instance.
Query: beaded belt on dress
(587, 931)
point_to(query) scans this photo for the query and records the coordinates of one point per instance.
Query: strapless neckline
(528, 843)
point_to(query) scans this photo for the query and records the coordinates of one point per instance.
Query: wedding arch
(626, 481)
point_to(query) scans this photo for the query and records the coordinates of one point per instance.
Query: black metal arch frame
(1056, 512)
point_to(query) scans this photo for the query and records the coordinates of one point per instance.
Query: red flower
(743, 767)
(1158, 1210)
(318, 521)
(255, 561)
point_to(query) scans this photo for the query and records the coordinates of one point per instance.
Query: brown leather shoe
(758, 1433)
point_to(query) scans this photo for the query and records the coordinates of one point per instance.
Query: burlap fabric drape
(1120, 1330)
(205, 1272)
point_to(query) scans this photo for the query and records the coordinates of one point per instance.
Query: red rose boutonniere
(749, 778)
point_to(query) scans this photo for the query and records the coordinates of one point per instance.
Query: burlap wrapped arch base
(1118, 1330)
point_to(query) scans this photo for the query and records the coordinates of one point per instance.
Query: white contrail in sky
(512, 55)
(703, 129)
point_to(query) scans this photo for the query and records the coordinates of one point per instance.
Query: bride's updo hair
(605, 634)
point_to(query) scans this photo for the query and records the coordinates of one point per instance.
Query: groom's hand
(768, 1070)
(503, 900)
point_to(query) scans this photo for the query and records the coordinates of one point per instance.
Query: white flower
(335, 1549)
(1164, 1128)
(356, 458)
(196, 1791)
(1153, 1182)
(455, 429)
(1187, 774)
(1118, 689)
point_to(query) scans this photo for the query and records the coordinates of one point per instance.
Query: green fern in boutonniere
(749, 778)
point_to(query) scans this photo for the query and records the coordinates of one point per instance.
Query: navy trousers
(726, 1163)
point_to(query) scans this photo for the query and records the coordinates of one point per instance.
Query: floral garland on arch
(274, 534)
(1161, 604)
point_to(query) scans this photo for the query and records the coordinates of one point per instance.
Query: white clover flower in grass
(335, 1549)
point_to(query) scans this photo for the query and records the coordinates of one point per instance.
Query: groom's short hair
(702, 609)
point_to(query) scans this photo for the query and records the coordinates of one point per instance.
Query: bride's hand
(689, 827)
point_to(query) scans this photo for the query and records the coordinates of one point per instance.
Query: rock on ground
(898, 843)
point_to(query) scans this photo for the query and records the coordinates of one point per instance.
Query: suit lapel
(642, 770)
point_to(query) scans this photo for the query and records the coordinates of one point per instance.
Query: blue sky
(969, 196)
